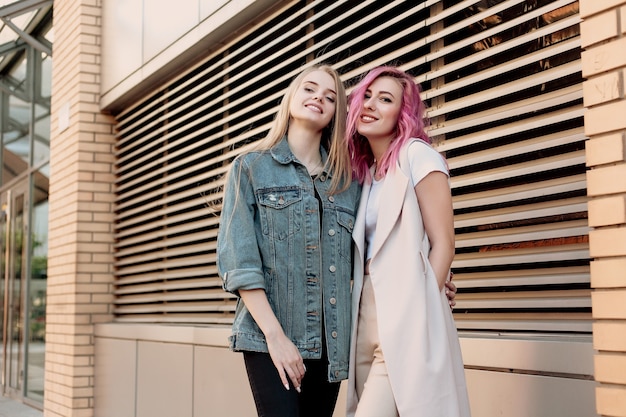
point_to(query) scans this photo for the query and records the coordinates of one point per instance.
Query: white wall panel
(497, 394)
(555, 354)
(145, 41)
(163, 24)
(220, 384)
(164, 379)
(208, 7)
(115, 377)
(122, 28)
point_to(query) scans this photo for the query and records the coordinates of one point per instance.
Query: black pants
(317, 398)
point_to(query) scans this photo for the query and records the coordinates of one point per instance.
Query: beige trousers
(372, 381)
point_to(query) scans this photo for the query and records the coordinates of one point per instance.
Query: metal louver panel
(503, 82)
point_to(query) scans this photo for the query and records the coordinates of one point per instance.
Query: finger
(294, 376)
(301, 370)
(283, 377)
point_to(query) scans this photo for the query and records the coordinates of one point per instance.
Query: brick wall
(81, 219)
(603, 35)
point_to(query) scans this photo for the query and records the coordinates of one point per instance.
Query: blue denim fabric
(270, 238)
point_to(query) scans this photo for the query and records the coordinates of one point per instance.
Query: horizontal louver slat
(536, 276)
(563, 185)
(522, 255)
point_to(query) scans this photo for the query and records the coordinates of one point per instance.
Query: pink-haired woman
(405, 356)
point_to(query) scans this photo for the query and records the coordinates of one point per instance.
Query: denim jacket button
(331, 232)
(334, 334)
(332, 268)
(331, 199)
(333, 300)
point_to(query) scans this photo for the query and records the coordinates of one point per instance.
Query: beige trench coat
(416, 329)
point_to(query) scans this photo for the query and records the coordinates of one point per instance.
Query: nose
(368, 103)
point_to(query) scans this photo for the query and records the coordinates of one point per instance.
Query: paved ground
(12, 408)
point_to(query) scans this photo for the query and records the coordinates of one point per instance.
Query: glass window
(15, 139)
(37, 286)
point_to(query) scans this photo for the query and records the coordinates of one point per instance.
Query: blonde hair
(333, 136)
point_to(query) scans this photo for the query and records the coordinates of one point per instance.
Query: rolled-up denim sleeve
(238, 256)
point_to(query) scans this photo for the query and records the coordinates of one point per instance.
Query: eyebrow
(313, 82)
(369, 90)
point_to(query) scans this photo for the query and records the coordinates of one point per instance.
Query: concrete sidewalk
(12, 408)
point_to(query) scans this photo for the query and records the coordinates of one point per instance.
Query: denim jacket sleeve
(238, 258)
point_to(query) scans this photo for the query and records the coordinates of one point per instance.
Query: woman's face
(381, 109)
(314, 101)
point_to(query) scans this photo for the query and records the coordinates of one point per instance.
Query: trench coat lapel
(358, 234)
(390, 205)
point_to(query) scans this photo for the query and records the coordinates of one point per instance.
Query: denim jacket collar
(281, 152)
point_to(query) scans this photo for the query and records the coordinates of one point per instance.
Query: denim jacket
(271, 236)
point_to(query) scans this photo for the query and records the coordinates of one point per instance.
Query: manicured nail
(287, 387)
(298, 389)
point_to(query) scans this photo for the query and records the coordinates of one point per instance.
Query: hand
(287, 360)
(451, 292)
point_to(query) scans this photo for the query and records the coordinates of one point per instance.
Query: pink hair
(412, 122)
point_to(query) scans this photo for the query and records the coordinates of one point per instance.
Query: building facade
(150, 103)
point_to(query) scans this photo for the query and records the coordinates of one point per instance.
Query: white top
(371, 214)
(423, 159)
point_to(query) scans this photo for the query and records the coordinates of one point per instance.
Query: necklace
(378, 175)
(316, 169)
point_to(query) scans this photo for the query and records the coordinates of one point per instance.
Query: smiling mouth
(367, 118)
(314, 108)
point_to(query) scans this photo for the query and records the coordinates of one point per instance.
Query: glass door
(13, 226)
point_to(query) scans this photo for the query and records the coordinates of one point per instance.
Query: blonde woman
(285, 248)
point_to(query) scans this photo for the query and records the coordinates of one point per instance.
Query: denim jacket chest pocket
(280, 211)
(345, 219)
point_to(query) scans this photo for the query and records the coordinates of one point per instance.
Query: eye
(386, 100)
(309, 89)
(367, 96)
(330, 99)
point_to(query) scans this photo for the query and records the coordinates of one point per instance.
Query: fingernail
(298, 389)
(287, 387)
